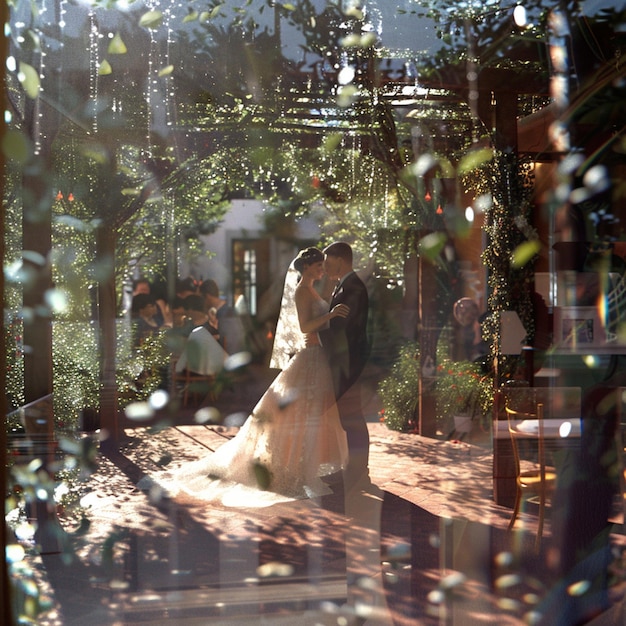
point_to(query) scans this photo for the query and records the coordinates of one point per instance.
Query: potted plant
(463, 392)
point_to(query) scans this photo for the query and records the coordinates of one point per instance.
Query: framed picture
(578, 327)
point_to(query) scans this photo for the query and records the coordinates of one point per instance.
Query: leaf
(117, 45)
(16, 146)
(525, 253)
(151, 19)
(105, 68)
(368, 40)
(73, 222)
(432, 244)
(165, 459)
(83, 527)
(447, 169)
(346, 95)
(474, 159)
(289, 7)
(98, 154)
(29, 77)
(263, 476)
(424, 164)
(350, 41)
(32, 41)
(354, 12)
(214, 12)
(34, 257)
(166, 71)
(190, 17)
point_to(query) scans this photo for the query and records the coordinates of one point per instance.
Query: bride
(293, 436)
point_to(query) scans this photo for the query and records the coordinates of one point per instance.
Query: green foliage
(13, 349)
(462, 388)
(76, 363)
(510, 184)
(486, 33)
(399, 390)
(142, 370)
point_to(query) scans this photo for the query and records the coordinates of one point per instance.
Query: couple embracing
(309, 424)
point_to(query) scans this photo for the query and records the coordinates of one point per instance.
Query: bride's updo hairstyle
(307, 257)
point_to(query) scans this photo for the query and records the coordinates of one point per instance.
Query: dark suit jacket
(345, 341)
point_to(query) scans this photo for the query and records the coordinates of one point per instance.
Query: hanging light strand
(93, 70)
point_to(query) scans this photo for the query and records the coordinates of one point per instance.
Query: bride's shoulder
(301, 292)
(305, 294)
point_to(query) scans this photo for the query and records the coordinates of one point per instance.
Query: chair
(538, 482)
(198, 387)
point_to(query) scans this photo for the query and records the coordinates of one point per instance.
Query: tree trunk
(109, 418)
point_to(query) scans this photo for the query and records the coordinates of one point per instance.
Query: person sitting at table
(230, 323)
(194, 312)
(144, 318)
(182, 325)
(186, 287)
(163, 314)
(213, 326)
(202, 353)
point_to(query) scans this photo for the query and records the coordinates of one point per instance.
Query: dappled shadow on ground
(457, 570)
(447, 479)
(417, 562)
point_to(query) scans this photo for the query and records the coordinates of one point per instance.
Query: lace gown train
(292, 438)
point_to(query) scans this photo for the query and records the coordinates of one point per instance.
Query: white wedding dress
(290, 441)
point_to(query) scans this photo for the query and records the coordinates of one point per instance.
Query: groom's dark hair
(340, 249)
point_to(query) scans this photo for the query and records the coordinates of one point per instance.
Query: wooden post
(109, 419)
(428, 329)
(5, 586)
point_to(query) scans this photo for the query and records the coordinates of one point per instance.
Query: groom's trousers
(353, 422)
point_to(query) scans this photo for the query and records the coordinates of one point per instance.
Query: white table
(553, 428)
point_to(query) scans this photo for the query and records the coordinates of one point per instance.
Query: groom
(347, 349)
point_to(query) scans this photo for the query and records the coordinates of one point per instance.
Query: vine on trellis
(510, 182)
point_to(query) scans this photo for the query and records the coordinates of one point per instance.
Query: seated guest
(179, 315)
(186, 287)
(213, 326)
(202, 353)
(181, 327)
(230, 324)
(195, 311)
(144, 286)
(145, 320)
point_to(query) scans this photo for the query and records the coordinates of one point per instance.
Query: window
(250, 272)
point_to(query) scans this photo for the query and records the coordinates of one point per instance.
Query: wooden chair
(620, 437)
(190, 385)
(534, 484)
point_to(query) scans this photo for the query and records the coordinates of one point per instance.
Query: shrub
(462, 388)
(399, 391)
